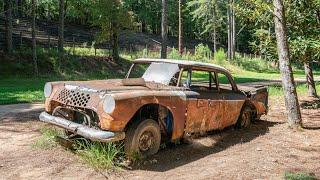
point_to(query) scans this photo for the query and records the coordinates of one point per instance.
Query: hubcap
(146, 141)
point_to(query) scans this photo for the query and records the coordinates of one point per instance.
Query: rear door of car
(232, 100)
(204, 110)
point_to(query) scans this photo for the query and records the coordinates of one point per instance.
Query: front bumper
(82, 130)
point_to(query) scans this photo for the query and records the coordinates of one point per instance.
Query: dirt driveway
(266, 150)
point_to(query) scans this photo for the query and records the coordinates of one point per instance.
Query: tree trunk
(20, 8)
(61, 30)
(8, 26)
(143, 26)
(310, 81)
(34, 50)
(214, 30)
(180, 28)
(164, 29)
(115, 41)
(233, 46)
(229, 31)
(290, 93)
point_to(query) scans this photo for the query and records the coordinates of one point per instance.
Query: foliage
(174, 54)
(207, 14)
(202, 53)
(220, 56)
(107, 12)
(254, 64)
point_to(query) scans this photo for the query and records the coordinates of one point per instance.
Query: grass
(302, 90)
(101, 155)
(98, 155)
(299, 176)
(48, 138)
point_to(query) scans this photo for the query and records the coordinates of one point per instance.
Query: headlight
(47, 90)
(109, 104)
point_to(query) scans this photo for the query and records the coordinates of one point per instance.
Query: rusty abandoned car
(159, 100)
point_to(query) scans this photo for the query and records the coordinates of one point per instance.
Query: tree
(61, 30)
(34, 47)
(180, 27)
(164, 29)
(110, 16)
(290, 93)
(231, 30)
(304, 36)
(208, 15)
(8, 25)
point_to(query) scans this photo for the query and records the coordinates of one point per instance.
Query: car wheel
(245, 117)
(143, 138)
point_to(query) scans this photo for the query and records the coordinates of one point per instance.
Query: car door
(204, 110)
(232, 100)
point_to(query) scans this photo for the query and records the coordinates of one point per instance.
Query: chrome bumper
(82, 130)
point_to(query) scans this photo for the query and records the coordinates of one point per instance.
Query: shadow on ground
(178, 155)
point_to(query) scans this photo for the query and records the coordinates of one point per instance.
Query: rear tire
(143, 138)
(245, 118)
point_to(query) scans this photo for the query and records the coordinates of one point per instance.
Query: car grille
(73, 98)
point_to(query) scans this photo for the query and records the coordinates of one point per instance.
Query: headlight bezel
(47, 90)
(109, 104)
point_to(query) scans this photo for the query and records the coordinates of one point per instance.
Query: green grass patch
(101, 155)
(48, 138)
(299, 176)
(302, 90)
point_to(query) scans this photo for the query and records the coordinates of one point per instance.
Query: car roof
(198, 65)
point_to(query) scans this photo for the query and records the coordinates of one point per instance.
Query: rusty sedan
(158, 100)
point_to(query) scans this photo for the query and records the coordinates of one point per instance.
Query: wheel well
(253, 108)
(157, 112)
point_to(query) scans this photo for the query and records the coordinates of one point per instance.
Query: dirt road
(266, 150)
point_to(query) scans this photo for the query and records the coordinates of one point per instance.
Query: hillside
(83, 36)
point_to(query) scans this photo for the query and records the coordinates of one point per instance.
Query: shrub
(220, 56)
(202, 53)
(174, 54)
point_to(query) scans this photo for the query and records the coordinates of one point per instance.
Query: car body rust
(179, 107)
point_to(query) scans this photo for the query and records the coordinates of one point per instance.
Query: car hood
(112, 85)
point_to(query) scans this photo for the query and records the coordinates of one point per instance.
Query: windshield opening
(158, 72)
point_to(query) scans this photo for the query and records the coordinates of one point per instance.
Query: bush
(220, 56)
(174, 54)
(253, 64)
(202, 53)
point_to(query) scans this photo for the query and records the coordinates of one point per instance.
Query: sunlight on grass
(299, 176)
(302, 90)
(48, 138)
(100, 155)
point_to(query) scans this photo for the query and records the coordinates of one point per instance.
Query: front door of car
(204, 110)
